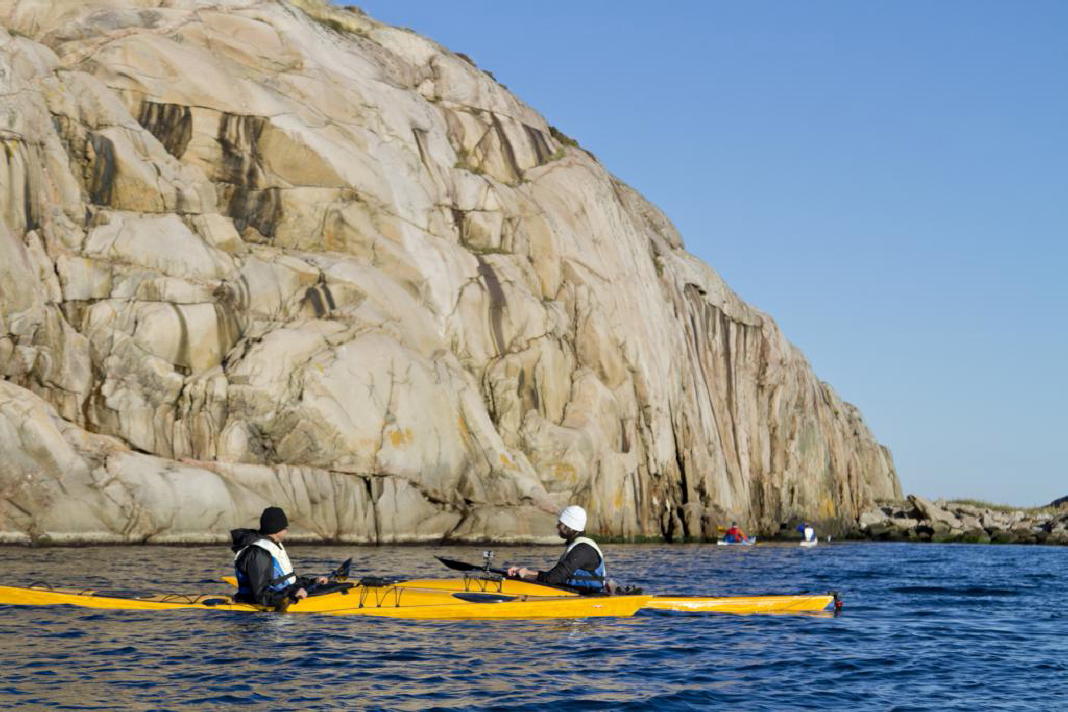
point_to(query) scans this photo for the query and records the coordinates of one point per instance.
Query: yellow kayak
(469, 597)
(384, 601)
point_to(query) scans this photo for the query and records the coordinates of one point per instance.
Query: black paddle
(464, 566)
(337, 577)
(341, 572)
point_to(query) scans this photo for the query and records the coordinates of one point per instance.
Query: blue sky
(888, 180)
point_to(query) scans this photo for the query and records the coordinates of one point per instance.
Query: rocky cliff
(264, 252)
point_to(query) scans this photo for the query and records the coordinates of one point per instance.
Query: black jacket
(582, 558)
(256, 564)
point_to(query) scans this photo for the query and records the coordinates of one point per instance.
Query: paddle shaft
(340, 573)
(464, 566)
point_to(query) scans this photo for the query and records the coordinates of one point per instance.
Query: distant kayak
(748, 541)
(812, 542)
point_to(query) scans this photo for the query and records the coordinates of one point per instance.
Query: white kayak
(809, 542)
(748, 541)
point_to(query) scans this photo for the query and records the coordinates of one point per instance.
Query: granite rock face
(261, 252)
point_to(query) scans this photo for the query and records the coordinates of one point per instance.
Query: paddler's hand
(322, 580)
(520, 572)
(301, 593)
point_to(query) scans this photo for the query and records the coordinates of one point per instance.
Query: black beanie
(273, 520)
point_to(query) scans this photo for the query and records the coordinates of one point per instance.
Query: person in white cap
(582, 565)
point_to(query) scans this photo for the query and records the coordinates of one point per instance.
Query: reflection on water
(924, 627)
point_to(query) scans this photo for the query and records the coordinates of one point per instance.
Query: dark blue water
(925, 627)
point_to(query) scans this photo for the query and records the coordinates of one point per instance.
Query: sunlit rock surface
(263, 252)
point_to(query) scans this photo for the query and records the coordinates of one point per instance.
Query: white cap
(574, 517)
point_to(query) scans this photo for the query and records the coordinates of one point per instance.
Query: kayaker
(582, 564)
(807, 531)
(734, 534)
(264, 575)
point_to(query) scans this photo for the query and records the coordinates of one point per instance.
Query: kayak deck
(745, 605)
(489, 584)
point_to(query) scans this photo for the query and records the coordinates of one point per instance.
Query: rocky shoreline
(920, 520)
(914, 519)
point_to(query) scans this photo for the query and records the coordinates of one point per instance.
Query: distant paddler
(582, 565)
(734, 535)
(264, 574)
(808, 534)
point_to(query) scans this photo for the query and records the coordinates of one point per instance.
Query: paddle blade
(457, 565)
(232, 580)
(342, 572)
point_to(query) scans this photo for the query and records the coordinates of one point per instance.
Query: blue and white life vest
(588, 580)
(281, 572)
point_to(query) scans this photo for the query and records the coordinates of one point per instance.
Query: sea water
(924, 627)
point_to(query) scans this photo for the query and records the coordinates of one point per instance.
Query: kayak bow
(745, 605)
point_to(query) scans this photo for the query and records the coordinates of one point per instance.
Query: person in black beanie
(264, 574)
